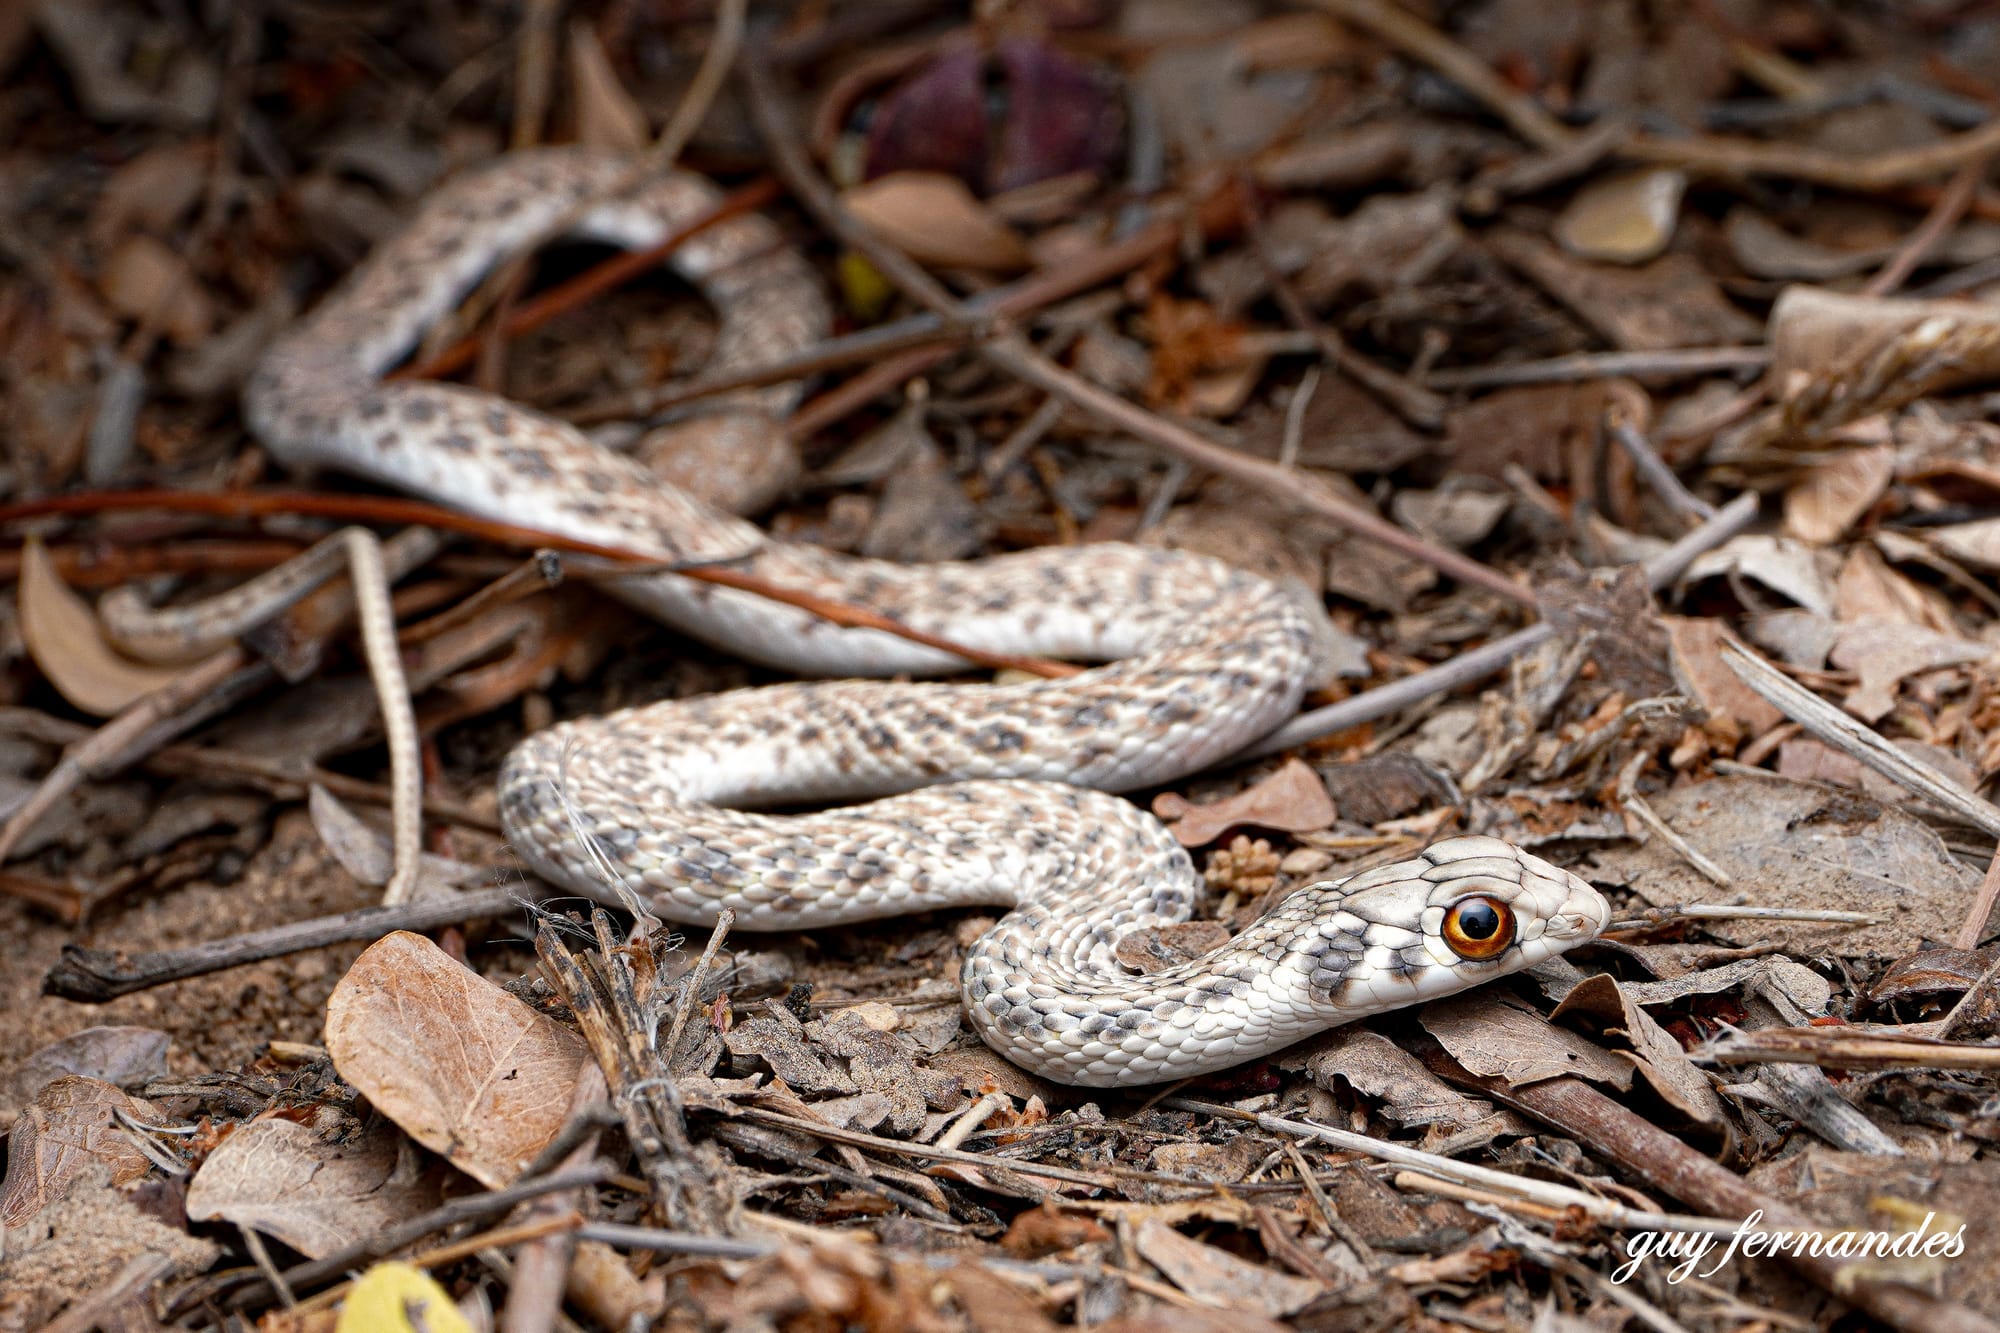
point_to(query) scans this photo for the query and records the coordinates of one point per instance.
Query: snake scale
(978, 794)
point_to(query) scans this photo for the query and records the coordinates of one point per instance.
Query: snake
(929, 793)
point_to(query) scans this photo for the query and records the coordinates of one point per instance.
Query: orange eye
(1479, 928)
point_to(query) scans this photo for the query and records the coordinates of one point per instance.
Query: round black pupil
(1477, 921)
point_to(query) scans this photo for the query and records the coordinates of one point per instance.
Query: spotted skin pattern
(982, 795)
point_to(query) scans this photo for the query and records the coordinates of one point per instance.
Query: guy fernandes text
(1690, 1248)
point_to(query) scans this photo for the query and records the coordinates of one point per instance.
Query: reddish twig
(394, 510)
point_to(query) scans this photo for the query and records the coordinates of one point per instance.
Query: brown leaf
(1624, 219)
(1219, 1279)
(68, 1130)
(463, 1067)
(1697, 658)
(315, 1187)
(1291, 800)
(1497, 1038)
(935, 219)
(606, 115)
(63, 637)
(1867, 588)
(1821, 508)
(1885, 653)
(1047, 1230)
(1653, 1051)
(145, 280)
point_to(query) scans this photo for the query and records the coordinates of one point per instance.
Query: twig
(689, 998)
(1937, 224)
(1655, 470)
(1010, 353)
(614, 272)
(97, 976)
(1405, 31)
(1846, 1048)
(1852, 737)
(1414, 403)
(1478, 663)
(1670, 363)
(919, 341)
(217, 763)
(1658, 916)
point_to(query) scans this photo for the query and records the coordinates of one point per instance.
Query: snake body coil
(983, 789)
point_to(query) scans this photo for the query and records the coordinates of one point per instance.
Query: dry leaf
(1494, 1037)
(466, 1069)
(317, 1188)
(1867, 587)
(1697, 660)
(1976, 543)
(123, 1056)
(144, 280)
(69, 1129)
(606, 115)
(1625, 219)
(1884, 653)
(936, 220)
(1766, 250)
(1291, 800)
(1801, 846)
(1219, 1279)
(1654, 1052)
(1835, 493)
(1779, 563)
(63, 637)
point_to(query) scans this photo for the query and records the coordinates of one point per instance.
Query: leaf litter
(1432, 269)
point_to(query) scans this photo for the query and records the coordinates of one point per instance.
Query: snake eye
(1479, 928)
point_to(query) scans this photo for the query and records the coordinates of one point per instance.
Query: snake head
(1463, 912)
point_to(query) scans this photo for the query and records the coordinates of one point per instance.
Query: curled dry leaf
(1291, 800)
(1653, 1051)
(606, 115)
(1837, 358)
(63, 637)
(1805, 848)
(463, 1067)
(70, 1129)
(936, 220)
(1885, 653)
(316, 1187)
